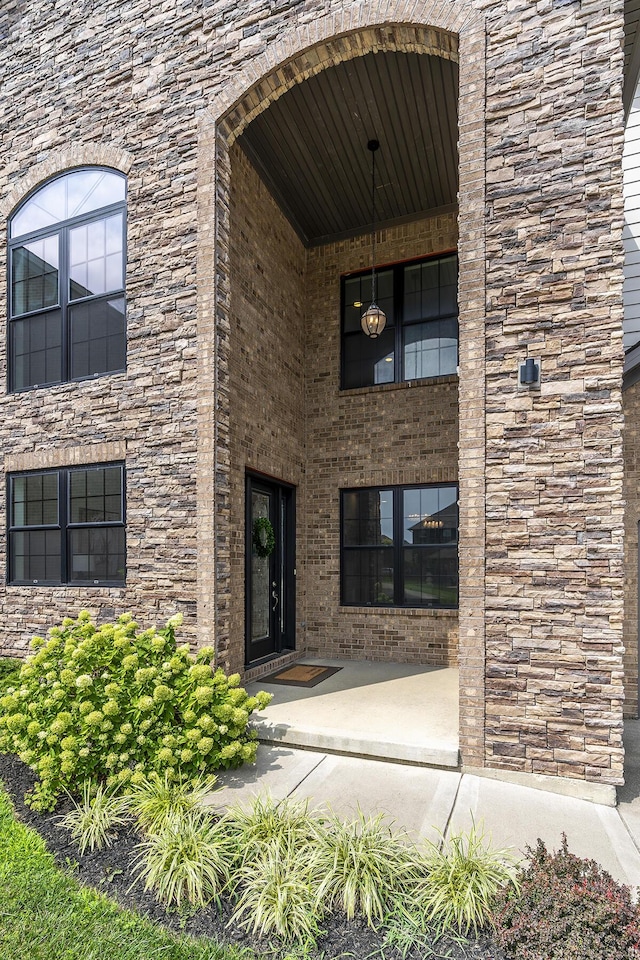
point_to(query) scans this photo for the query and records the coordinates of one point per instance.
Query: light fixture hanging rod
(373, 146)
(373, 319)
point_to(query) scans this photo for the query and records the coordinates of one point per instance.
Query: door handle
(276, 599)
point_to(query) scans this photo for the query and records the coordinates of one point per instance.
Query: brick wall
(289, 420)
(266, 365)
(393, 434)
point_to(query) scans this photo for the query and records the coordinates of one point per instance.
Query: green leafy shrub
(113, 704)
(463, 876)
(187, 861)
(567, 908)
(92, 820)
(9, 672)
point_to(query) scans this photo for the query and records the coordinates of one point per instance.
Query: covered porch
(389, 711)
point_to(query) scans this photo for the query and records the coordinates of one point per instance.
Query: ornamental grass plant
(187, 861)
(93, 819)
(362, 866)
(156, 800)
(265, 823)
(462, 878)
(114, 704)
(278, 894)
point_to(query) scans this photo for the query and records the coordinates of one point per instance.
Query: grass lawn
(46, 915)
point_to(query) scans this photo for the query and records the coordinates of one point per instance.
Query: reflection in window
(95, 263)
(420, 339)
(73, 195)
(67, 526)
(67, 257)
(400, 546)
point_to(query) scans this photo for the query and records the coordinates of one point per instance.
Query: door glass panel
(260, 574)
(282, 573)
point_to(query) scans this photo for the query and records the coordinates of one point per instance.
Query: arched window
(67, 269)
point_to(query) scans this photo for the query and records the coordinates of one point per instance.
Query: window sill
(404, 385)
(402, 611)
(56, 584)
(32, 388)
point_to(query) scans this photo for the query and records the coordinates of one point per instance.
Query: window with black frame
(420, 339)
(67, 271)
(67, 526)
(400, 546)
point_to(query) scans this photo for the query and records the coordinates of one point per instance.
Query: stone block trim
(210, 427)
(402, 38)
(471, 397)
(311, 42)
(66, 457)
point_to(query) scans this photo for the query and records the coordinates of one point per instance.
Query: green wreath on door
(264, 539)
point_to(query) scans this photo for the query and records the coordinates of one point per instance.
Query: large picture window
(67, 526)
(66, 290)
(420, 339)
(400, 546)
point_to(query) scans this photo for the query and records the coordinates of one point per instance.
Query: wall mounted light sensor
(529, 374)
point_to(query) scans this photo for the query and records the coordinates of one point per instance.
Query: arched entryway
(288, 427)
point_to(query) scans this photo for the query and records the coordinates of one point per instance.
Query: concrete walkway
(426, 801)
(351, 724)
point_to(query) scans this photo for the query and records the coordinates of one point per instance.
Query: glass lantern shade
(373, 321)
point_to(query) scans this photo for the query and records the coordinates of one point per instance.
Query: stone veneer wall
(631, 404)
(393, 434)
(554, 531)
(73, 110)
(266, 367)
(146, 93)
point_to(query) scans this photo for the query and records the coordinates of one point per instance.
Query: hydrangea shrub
(114, 703)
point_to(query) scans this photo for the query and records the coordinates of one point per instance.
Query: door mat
(301, 675)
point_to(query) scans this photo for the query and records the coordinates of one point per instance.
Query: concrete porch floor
(387, 711)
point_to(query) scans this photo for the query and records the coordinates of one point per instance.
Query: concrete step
(357, 745)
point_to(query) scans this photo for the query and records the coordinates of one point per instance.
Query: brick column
(471, 252)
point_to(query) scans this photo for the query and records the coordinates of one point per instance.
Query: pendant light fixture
(373, 320)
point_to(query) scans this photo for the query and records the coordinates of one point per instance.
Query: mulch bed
(109, 871)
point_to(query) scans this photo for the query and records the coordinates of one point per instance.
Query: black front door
(270, 573)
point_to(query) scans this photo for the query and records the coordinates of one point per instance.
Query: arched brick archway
(404, 38)
(449, 31)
